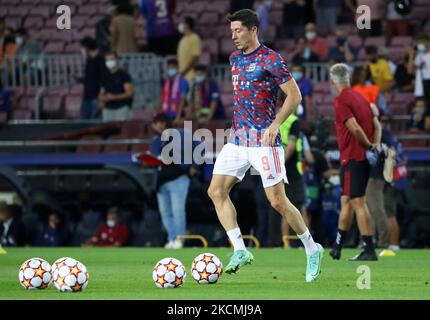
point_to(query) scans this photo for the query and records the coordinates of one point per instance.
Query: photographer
(419, 62)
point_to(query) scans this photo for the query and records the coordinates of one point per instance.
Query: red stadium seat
(355, 41)
(322, 87)
(26, 103)
(52, 103)
(54, 47)
(94, 148)
(143, 115)
(21, 114)
(33, 22)
(80, 21)
(133, 129)
(72, 47)
(72, 107)
(219, 6)
(210, 18)
(42, 11)
(211, 45)
(227, 46)
(276, 17)
(418, 143)
(77, 90)
(142, 147)
(401, 41)
(405, 98)
(375, 41)
(20, 11)
(114, 148)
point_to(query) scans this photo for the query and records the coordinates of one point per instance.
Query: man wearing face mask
(318, 45)
(205, 99)
(189, 49)
(174, 92)
(112, 233)
(116, 93)
(28, 48)
(419, 62)
(305, 109)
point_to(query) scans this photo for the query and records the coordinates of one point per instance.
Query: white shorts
(235, 160)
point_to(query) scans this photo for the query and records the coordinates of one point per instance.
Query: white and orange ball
(35, 273)
(169, 273)
(206, 268)
(69, 275)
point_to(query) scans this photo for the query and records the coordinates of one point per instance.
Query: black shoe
(365, 256)
(335, 253)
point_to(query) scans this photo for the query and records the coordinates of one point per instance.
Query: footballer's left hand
(270, 134)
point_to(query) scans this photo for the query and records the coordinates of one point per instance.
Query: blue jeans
(171, 198)
(89, 109)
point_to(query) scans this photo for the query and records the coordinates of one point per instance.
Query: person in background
(305, 110)
(419, 63)
(8, 100)
(29, 53)
(12, 230)
(342, 51)
(326, 12)
(95, 70)
(236, 5)
(174, 92)
(361, 82)
(395, 23)
(293, 18)
(379, 69)
(303, 53)
(54, 234)
(418, 115)
(160, 28)
(103, 36)
(205, 101)
(113, 233)
(404, 80)
(8, 47)
(124, 30)
(116, 93)
(262, 10)
(172, 181)
(317, 44)
(189, 48)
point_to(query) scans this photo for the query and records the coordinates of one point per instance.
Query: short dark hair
(201, 67)
(172, 61)
(163, 117)
(112, 53)
(248, 18)
(89, 43)
(190, 22)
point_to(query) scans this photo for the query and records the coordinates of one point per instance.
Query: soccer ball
(169, 273)
(69, 275)
(206, 268)
(35, 273)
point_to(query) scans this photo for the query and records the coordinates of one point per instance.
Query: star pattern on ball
(204, 275)
(178, 282)
(61, 264)
(40, 272)
(219, 270)
(76, 287)
(60, 281)
(207, 259)
(171, 266)
(26, 283)
(194, 265)
(161, 280)
(43, 285)
(75, 271)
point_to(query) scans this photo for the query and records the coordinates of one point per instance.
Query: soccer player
(254, 140)
(358, 130)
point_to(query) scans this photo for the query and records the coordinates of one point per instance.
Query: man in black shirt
(116, 93)
(12, 230)
(95, 69)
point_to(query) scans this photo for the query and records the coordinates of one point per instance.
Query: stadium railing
(53, 71)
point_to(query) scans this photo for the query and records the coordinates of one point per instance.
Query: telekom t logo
(235, 81)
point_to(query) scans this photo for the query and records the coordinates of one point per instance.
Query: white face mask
(19, 41)
(111, 223)
(110, 64)
(310, 35)
(421, 47)
(181, 27)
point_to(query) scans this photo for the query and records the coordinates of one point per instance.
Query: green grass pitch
(125, 273)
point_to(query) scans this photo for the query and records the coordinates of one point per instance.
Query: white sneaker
(169, 244)
(177, 244)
